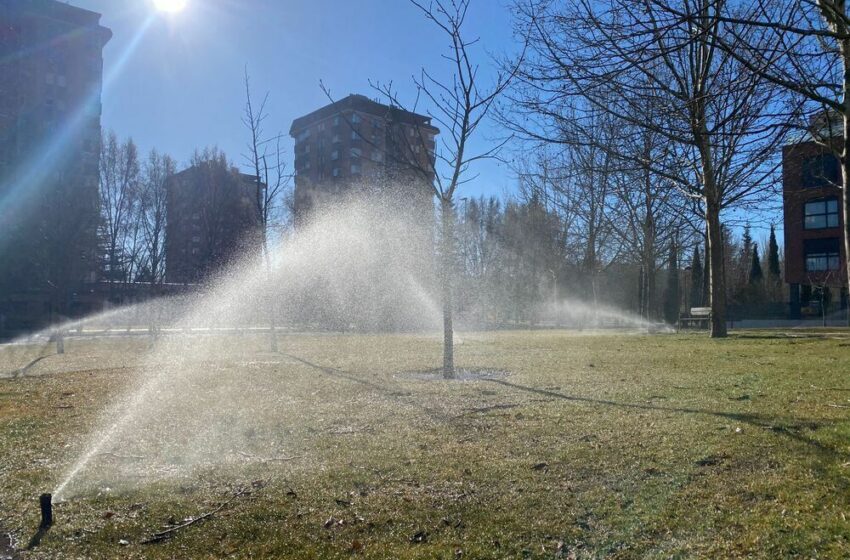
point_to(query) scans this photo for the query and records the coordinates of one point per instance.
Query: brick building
(357, 141)
(814, 246)
(51, 71)
(213, 221)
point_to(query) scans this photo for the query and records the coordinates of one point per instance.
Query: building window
(303, 135)
(334, 155)
(355, 168)
(820, 171)
(335, 172)
(821, 214)
(377, 156)
(356, 152)
(321, 126)
(822, 255)
(335, 138)
(355, 118)
(354, 135)
(306, 148)
(336, 120)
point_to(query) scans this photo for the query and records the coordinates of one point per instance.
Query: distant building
(814, 246)
(51, 70)
(356, 141)
(213, 221)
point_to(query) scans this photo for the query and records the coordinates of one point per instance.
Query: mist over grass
(364, 265)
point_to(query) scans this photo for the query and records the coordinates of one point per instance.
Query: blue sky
(179, 87)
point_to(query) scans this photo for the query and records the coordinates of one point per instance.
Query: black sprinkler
(46, 502)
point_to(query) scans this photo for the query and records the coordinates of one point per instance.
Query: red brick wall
(795, 196)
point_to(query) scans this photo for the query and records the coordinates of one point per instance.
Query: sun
(172, 6)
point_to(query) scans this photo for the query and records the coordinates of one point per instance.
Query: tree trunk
(845, 148)
(446, 276)
(650, 288)
(272, 307)
(845, 193)
(716, 280)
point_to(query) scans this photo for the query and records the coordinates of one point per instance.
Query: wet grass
(596, 446)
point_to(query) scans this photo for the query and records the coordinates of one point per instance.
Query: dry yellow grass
(596, 445)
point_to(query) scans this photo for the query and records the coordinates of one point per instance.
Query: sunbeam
(27, 181)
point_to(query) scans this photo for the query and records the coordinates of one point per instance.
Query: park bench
(695, 317)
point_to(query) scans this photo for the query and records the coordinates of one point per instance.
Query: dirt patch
(460, 374)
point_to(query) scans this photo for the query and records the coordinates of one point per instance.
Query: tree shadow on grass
(778, 425)
(784, 335)
(396, 395)
(22, 371)
(788, 427)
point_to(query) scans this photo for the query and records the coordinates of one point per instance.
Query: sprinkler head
(46, 502)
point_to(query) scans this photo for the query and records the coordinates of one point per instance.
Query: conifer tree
(671, 294)
(773, 272)
(756, 274)
(697, 275)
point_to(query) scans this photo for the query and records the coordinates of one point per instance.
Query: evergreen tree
(671, 294)
(696, 278)
(706, 278)
(746, 256)
(756, 274)
(773, 272)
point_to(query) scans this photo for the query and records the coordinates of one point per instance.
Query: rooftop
(362, 104)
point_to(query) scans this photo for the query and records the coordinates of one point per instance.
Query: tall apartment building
(213, 221)
(51, 72)
(357, 141)
(814, 247)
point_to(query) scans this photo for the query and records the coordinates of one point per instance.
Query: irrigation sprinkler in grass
(46, 503)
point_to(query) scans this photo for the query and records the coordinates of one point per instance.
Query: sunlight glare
(172, 6)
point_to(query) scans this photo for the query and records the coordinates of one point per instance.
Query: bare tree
(156, 171)
(119, 197)
(808, 56)
(265, 158)
(459, 104)
(627, 55)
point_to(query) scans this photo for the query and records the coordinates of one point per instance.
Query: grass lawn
(595, 446)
